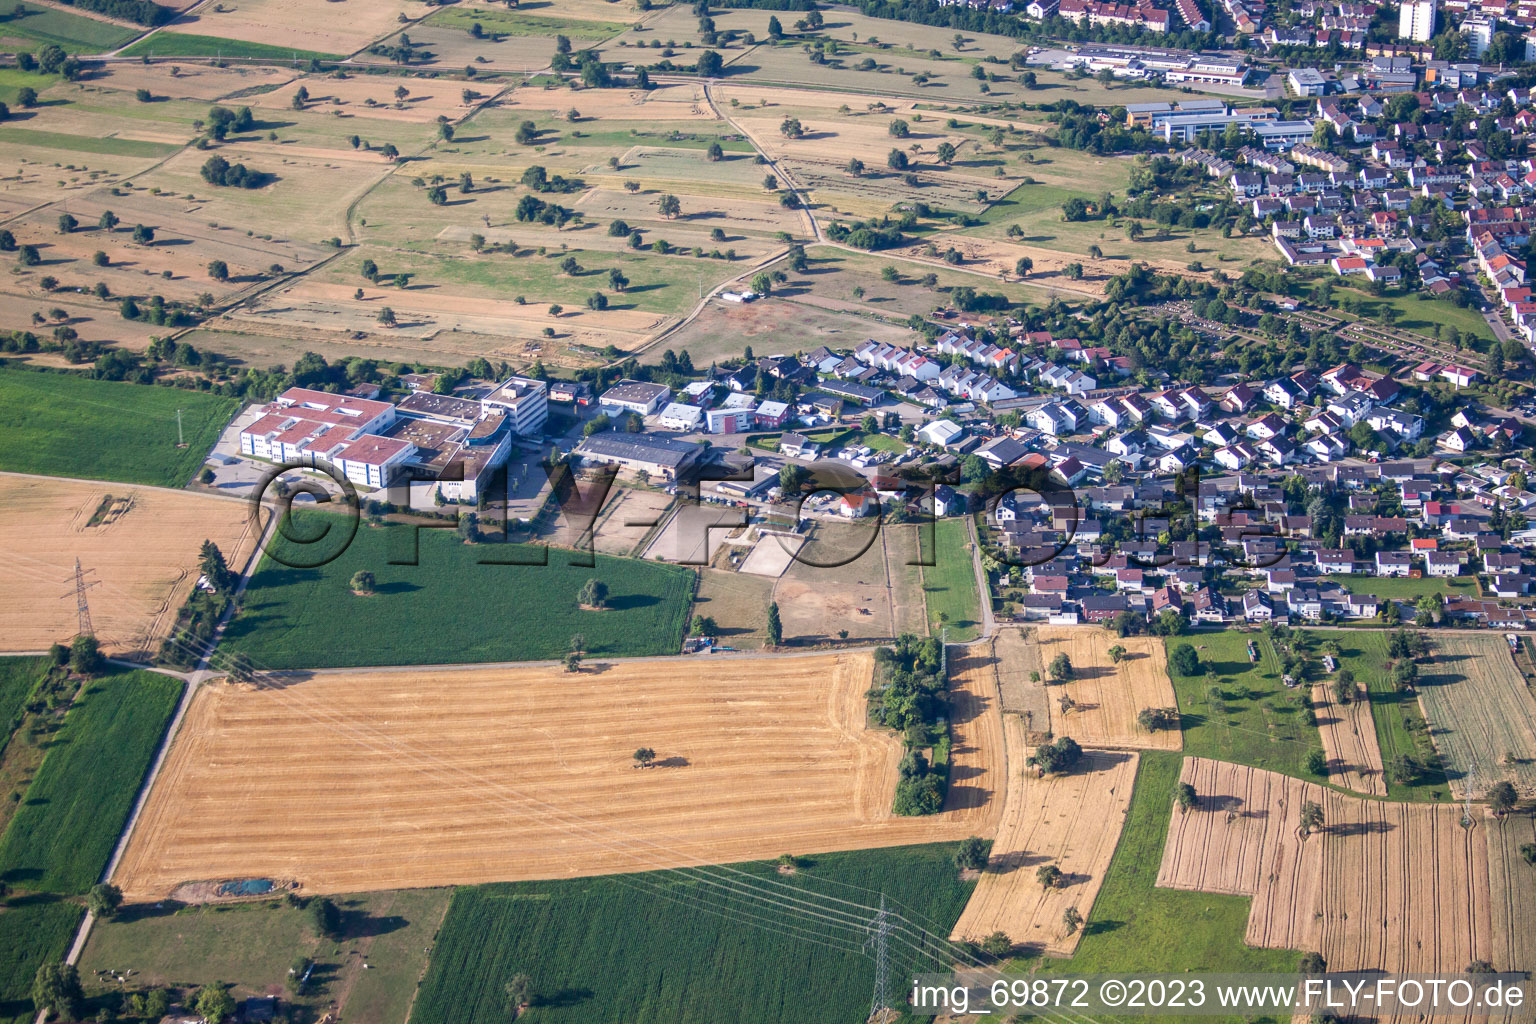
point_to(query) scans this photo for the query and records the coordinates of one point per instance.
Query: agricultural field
(1339, 890)
(67, 825)
(1513, 884)
(201, 82)
(441, 610)
(738, 602)
(1106, 696)
(250, 946)
(1018, 658)
(138, 547)
(1349, 740)
(286, 26)
(30, 26)
(1043, 823)
(509, 40)
(1481, 716)
(819, 599)
(949, 584)
(1241, 711)
(722, 329)
(175, 43)
(65, 425)
(449, 776)
(591, 947)
(33, 931)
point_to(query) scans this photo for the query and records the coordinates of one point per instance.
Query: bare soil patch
(144, 554)
(437, 777)
(816, 603)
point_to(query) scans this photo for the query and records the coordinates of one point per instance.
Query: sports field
(139, 547)
(739, 942)
(452, 607)
(72, 814)
(446, 776)
(66, 425)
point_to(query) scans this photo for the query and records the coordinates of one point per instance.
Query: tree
(1311, 817)
(714, 154)
(1116, 654)
(218, 270)
(593, 594)
(645, 757)
(1502, 798)
(56, 990)
(775, 627)
(1313, 963)
(1050, 876)
(855, 167)
(519, 992)
(26, 96)
(1317, 762)
(898, 129)
(387, 317)
(211, 563)
(896, 160)
(972, 854)
(67, 223)
(214, 1003)
(29, 256)
(324, 917)
(710, 64)
(1184, 796)
(775, 30)
(1184, 660)
(1060, 668)
(669, 207)
(85, 655)
(1024, 266)
(1344, 686)
(103, 900)
(946, 153)
(572, 661)
(791, 478)
(1055, 758)
(998, 944)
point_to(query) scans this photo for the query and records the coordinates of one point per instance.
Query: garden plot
(1381, 886)
(1044, 822)
(1349, 740)
(1481, 716)
(1108, 696)
(141, 544)
(442, 777)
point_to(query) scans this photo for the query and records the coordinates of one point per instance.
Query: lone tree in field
(593, 594)
(775, 627)
(362, 582)
(1313, 963)
(1311, 817)
(972, 854)
(1071, 920)
(668, 206)
(1050, 877)
(1184, 660)
(325, 918)
(218, 270)
(1344, 686)
(645, 757)
(1116, 653)
(1055, 758)
(1502, 798)
(998, 944)
(85, 656)
(519, 994)
(1060, 668)
(67, 223)
(1184, 796)
(387, 317)
(103, 900)
(572, 661)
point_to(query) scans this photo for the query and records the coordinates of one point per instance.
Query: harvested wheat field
(189, 81)
(141, 543)
(1479, 712)
(340, 27)
(1349, 740)
(1108, 696)
(450, 776)
(350, 96)
(1382, 886)
(1044, 823)
(1513, 883)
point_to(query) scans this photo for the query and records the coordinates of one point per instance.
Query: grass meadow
(1139, 928)
(950, 583)
(1240, 711)
(65, 425)
(84, 144)
(183, 44)
(672, 948)
(18, 678)
(64, 831)
(43, 25)
(451, 607)
(33, 930)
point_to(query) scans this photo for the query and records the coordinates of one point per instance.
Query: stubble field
(1481, 716)
(1386, 886)
(1044, 822)
(442, 777)
(1349, 741)
(1108, 696)
(145, 558)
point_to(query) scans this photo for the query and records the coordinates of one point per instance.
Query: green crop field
(1400, 726)
(451, 609)
(950, 584)
(1136, 927)
(64, 831)
(669, 948)
(18, 678)
(65, 425)
(84, 143)
(33, 930)
(75, 33)
(183, 44)
(1242, 712)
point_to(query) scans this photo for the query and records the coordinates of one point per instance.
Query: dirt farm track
(398, 779)
(139, 543)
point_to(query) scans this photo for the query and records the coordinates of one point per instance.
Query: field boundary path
(194, 680)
